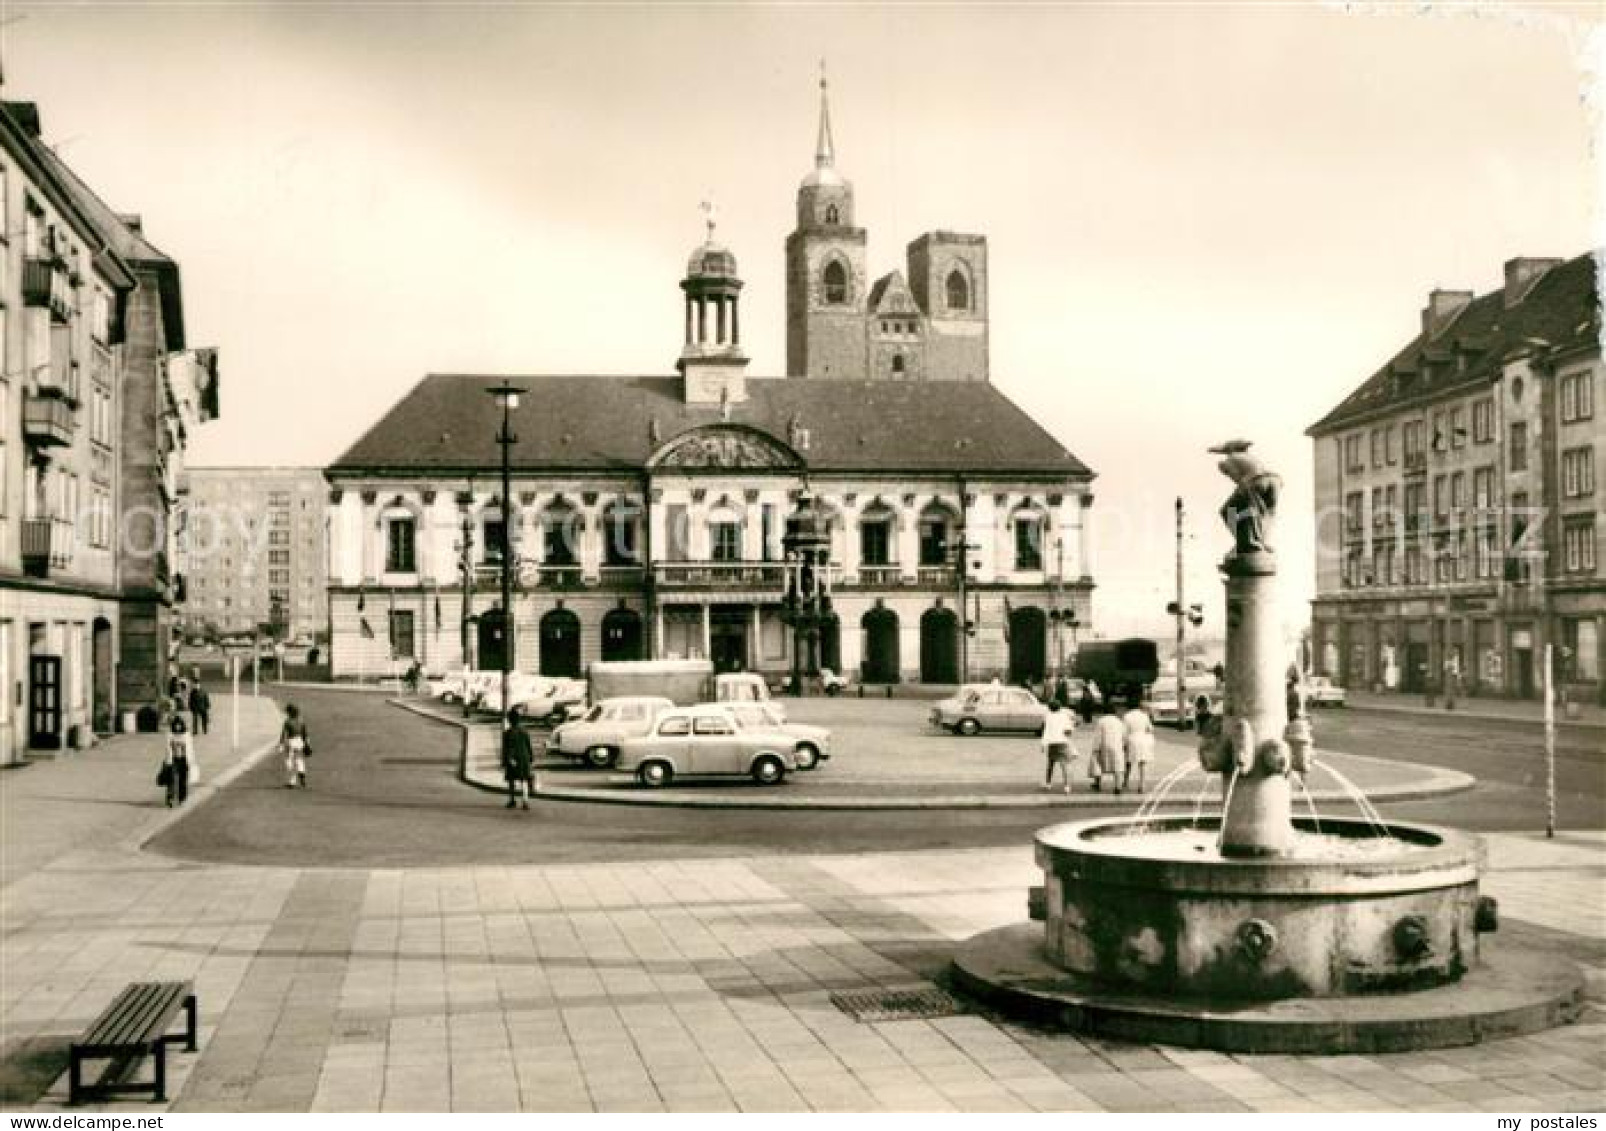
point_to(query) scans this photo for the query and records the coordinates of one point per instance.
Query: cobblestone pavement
(678, 985)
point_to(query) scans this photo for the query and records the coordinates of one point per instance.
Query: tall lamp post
(507, 396)
(807, 605)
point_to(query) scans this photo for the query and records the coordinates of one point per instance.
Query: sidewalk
(1505, 710)
(105, 797)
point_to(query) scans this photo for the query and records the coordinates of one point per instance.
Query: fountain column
(1258, 820)
(1256, 744)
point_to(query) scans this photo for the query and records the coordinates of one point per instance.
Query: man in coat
(518, 761)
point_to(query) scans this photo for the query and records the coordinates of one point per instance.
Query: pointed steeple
(824, 152)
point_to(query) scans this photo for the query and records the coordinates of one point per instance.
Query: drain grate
(926, 1002)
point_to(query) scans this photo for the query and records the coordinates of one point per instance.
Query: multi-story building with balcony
(90, 313)
(252, 551)
(646, 514)
(1458, 520)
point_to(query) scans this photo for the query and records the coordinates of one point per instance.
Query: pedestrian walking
(201, 708)
(1139, 741)
(1109, 748)
(175, 771)
(295, 744)
(518, 761)
(1058, 744)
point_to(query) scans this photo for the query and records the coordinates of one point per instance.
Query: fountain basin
(1151, 907)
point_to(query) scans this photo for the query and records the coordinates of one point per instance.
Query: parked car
(1201, 690)
(598, 735)
(985, 706)
(813, 744)
(539, 698)
(462, 686)
(705, 739)
(1323, 692)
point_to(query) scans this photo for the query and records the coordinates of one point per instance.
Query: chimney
(1522, 274)
(1441, 310)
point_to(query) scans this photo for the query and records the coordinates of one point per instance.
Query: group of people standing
(1121, 741)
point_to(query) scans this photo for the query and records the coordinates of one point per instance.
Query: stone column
(1258, 820)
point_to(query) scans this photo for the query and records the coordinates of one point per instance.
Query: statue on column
(1251, 509)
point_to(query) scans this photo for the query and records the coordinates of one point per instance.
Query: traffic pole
(1550, 746)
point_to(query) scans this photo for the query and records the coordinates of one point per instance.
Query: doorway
(880, 626)
(560, 644)
(621, 635)
(727, 639)
(1028, 644)
(44, 702)
(492, 640)
(939, 646)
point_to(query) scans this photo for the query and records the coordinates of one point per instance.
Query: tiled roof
(1562, 309)
(595, 423)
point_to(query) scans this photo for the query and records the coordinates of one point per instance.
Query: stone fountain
(1257, 930)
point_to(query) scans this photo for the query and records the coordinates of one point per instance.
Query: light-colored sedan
(989, 706)
(1323, 692)
(692, 741)
(813, 744)
(598, 735)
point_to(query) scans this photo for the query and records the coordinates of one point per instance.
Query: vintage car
(1321, 691)
(598, 734)
(989, 706)
(462, 686)
(813, 744)
(1201, 693)
(538, 698)
(706, 739)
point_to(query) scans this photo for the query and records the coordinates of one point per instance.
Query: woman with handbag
(174, 775)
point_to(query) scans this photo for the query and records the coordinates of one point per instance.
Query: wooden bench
(134, 1025)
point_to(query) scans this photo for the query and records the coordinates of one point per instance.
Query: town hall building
(646, 513)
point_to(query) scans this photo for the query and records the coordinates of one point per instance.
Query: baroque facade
(646, 513)
(93, 421)
(1459, 521)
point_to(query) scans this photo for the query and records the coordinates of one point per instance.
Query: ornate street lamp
(807, 605)
(507, 396)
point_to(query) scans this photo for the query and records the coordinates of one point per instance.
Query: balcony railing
(45, 283)
(720, 575)
(558, 576)
(621, 576)
(47, 544)
(880, 576)
(48, 417)
(1416, 462)
(942, 576)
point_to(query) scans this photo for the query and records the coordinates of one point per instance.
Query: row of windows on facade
(1450, 496)
(1448, 555)
(1449, 431)
(836, 291)
(620, 548)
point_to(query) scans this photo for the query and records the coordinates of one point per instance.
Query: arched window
(559, 533)
(897, 365)
(620, 534)
(958, 290)
(832, 216)
(835, 279)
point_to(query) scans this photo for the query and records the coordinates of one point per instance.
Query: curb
(1437, 783)
(1473, 715)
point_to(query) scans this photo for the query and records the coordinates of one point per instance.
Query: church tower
(826, 281)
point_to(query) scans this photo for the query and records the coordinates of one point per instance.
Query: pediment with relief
(723, 448)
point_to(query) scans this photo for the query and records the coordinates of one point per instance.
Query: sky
(1204, 222)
